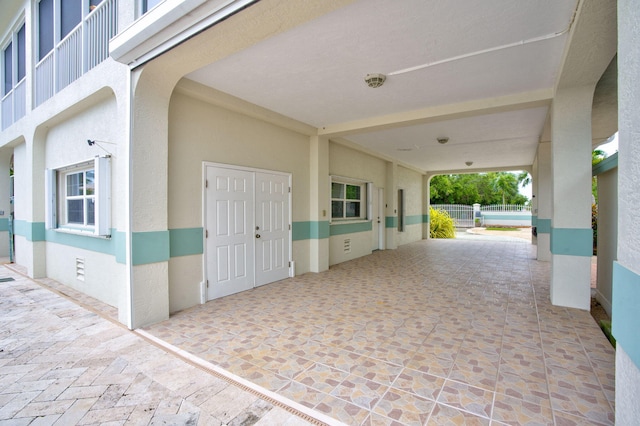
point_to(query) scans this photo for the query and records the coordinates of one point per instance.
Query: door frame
(376, 215)
(205, 164)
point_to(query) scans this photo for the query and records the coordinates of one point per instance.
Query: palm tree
(504, 183)
(524, 178)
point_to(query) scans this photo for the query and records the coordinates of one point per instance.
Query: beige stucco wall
(349, 163)
(104, 279)
(203, 132)
(66, 144)
(411, 182)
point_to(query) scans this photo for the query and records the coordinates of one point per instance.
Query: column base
(571, 281)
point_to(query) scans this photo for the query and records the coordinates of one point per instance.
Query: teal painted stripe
(32, 231)
(391, 222)
(534, 220)
(4, 224)
(544, 226)
(113, 246)
(120, 242)
(310, 230)
(186, 241)
(572, 241)
(182, 242)
(301, 231)
(350, 228)
(320, 230)
(625, 303)
(150, 247)
(413, 219)
(605, 165)
(426, 218)
(506, 216)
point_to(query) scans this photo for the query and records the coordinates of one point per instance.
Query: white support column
(534, 200)
(148, 248)
(391, 206)
(626, 271)
(29, 226)
(426, 188)
(571, 239)
(320, 206)
(544, 207)
(5, 206)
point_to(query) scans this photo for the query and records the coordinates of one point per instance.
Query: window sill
(82, 232)
(348, 221)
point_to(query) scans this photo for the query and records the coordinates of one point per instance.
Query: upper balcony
(82, 49)
(84, 45)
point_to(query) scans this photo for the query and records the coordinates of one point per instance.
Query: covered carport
(504, 85)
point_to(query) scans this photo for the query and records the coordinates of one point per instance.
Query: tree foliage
(596, 157)
(482, 188)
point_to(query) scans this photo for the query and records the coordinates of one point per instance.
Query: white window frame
(363, 200)
(15, 59)
(56, 194)
(86, 196)
(145, 6)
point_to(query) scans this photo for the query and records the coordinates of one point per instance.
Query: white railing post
(477, 214)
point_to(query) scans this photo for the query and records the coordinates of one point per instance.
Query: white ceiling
(315, 74)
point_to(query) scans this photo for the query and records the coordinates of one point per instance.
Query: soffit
(314, 73)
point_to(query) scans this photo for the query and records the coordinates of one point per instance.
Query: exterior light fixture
(468, 163)
(443, 140)
(375, 80)
(97, 143)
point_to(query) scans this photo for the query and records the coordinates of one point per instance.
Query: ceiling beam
(533, 99)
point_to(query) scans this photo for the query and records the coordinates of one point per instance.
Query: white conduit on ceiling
(479, 52)
(491, 49)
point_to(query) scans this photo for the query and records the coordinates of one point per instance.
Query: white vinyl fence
(461, 214)
(493, 215)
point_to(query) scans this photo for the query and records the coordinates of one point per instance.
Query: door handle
(257, 235)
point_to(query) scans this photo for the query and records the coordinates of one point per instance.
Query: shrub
(441, 225)
(594, 227)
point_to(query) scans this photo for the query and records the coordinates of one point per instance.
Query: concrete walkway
(65, 365)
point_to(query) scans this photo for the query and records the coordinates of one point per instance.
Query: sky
(610, 148)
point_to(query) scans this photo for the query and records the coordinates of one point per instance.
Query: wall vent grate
(80, 269)
(347, 245)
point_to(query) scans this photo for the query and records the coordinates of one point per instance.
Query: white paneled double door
(248, 232)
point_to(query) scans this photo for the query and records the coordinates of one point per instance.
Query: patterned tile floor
(62, 364)
(435, 332)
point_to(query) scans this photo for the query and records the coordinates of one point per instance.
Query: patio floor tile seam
(316, 419)
(243, 384)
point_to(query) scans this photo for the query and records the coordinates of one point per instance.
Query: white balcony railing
(44, 75)
(7, 110)
(81, 50)
(100, 26)
(14, 104)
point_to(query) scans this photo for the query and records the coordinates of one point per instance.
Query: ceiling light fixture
(443, 140)
(468, 163)
(375, 80)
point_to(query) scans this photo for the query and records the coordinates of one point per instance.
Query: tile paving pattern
(435, 332)
(65, 365)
